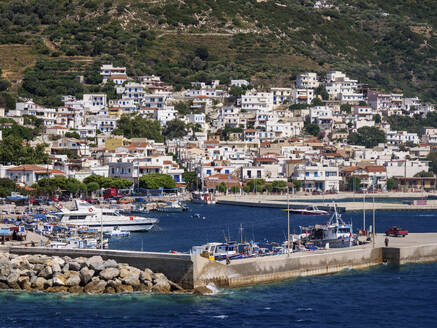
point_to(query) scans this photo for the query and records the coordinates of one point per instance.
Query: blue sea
(381, 296)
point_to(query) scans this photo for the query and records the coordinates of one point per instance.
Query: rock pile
(79, 275)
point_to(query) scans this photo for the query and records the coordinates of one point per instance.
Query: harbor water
(385, 296)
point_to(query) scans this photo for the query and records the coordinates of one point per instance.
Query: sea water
(381, 296)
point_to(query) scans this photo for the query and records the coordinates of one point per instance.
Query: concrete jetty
(280, 201)
(193, 271)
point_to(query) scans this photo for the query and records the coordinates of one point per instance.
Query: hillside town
(322, 134)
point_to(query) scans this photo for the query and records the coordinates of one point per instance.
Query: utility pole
(364, 212)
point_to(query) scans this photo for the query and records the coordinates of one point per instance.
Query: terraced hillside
(391, 44)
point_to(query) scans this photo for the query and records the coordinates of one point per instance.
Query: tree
(268, 187)
(191, 179)
(72, 134)
(13, 152)
(368, 136)
(279, 185)
(322, 92)
(316, 102)
(221, 187)
(353, 183)
(297, 184)
(312, 128)
(235, 189)
(346, 108)
(6, 186)
(135, 126)
(156, 181)
(236, 91)
(432, 157)
(424, 174)
(202, 52)
(377, 118)
(175, 129)
(391, 184)
(298, 106)
(255, 184)
(92, 186)
(4, 84)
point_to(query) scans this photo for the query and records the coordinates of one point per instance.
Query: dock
(192, 271)
(280, 202)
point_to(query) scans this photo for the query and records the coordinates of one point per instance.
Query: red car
(396, 231)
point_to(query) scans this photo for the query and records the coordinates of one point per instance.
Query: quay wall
(176, 267)
(411, 254)
(274, 268)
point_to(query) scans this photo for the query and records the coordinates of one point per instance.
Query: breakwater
(78, 275)
(195, 271)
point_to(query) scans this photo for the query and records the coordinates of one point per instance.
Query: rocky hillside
(391, 44)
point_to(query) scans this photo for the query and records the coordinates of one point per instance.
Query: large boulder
(161, 285)
(59, 260)
(175, 287)
(110, 264)
(3, 285)
(96, 263)
(39, 283)
(56, 289)
(202, 290)
(109, 273)
(76, 289)
(132, 279)
(124, 289)
(24, 282)
(95, 287)
(36, 259)
(74, 266)
(124, 271)
(59, 280)
(46, 272)
(21, 263)
(5, 267)
(86, 275)
(74, 279)
(13, 280)
(145, 276)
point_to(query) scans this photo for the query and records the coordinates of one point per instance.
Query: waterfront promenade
(299, 201)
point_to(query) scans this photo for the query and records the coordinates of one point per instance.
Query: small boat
(202, 198)
(335, 234)
(172, 206)
(117, 232)
(311, 210)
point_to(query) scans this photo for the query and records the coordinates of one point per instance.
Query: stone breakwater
(79, 275)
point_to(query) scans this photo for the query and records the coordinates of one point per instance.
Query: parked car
(91, 200)
(396, 231)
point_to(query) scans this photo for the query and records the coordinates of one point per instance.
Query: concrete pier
(192, 271)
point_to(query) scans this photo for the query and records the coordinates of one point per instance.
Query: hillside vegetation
(390, 44)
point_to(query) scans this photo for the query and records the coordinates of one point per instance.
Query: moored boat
(311, 210)
(104, 219)
(202, 198)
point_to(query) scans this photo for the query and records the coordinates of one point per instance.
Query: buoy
(90, 209)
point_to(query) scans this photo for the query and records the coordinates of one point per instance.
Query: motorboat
(104, 219)
(202, 198)
(216, 251)
(336, 233)
(311, 210)
(117, 232)
(172, 206)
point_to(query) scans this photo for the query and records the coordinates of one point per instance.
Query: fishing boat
(311, 210)
(202, 198)
(104, 219)
(216, 251)
(336, 233)
(172, 206)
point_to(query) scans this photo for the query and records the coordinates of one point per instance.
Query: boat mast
(241, 233)
(288, 215)
(101, 230)
(364, 212)
(373, 228)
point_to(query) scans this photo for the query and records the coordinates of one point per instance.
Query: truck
(396, 231)
(110, 193)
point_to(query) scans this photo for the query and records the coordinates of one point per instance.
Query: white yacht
(106, 219)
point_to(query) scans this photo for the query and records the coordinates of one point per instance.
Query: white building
(401, 137)
(253, 101)
(302, 96)
(317, 177)
(116, 74)
(282, 95)
(94, 102)
(307, 81)
(239, 83)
